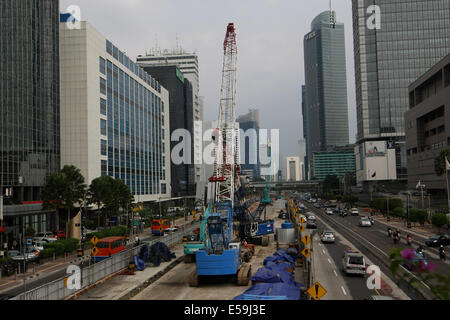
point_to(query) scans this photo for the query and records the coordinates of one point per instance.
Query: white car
(353, 262)
(43, 236)
(330, 212)
(354, 212)
(327, 237)
(39, 245)
(365, 222)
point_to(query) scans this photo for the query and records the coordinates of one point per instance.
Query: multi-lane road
(374, 243)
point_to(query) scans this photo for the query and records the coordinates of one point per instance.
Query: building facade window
(103, 127)
(102, 86)
(102, 106)
(102, 66)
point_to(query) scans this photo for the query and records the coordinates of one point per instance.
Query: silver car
(365, 222)
(327, 237)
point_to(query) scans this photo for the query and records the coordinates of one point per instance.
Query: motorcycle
(442, 255)
(409, 240)
(389, 232)
(396, 238)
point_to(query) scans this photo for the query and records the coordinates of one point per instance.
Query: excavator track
(244, 274)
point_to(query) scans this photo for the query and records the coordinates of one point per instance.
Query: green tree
(439, 220)
(64, 189)
(99, 193)
(30, 232)
(439, 162)
(109, 195)
(399, 212)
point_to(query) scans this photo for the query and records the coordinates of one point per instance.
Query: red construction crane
(226, 166)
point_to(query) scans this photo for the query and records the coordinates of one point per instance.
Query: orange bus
(108, 247)
(160, 226)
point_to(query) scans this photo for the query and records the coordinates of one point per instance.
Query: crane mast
(226, 167)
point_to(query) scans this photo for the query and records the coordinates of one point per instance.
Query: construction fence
(91, 274)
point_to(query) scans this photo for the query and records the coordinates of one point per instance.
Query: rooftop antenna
(177, 44)
(332, 17)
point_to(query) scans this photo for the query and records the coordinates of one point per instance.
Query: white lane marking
(323, 251)
(343, 290)
(320, 244)
(335, 273)
(329, 261)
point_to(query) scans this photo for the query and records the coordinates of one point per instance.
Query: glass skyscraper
(326, 85)
(29, 112)
(114, 116)
(29, 95)
(413, 36)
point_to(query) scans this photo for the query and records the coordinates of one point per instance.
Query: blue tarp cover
(160, 252)
(140, 264)
(264, 291)
(271, 276)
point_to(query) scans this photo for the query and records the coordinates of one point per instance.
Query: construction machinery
(222, 257)
(191, 247)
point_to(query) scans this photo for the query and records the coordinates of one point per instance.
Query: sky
(270, 49)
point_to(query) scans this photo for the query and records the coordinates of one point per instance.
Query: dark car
(436, 241)
(311, 224)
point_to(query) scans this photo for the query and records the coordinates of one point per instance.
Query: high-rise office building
(187, 63)
(180, 100)
(114, 116)
(29, 112)
(326, 107)
(411, 38)
(305, 133)
(428, 126)
(249, 125)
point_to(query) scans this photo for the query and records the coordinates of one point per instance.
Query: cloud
(270, 43)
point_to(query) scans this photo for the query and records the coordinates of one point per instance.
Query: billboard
(376, 162)
(375, 149)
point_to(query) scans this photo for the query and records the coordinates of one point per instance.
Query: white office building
(114, 116)
(293, 169)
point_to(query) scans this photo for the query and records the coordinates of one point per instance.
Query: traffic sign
(317, 291)
(94, 240)
(306, 240)
(301, 228)
(94, 251)
(302, 220)
(306, 252)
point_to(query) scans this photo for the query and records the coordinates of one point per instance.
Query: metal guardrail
(57, 290)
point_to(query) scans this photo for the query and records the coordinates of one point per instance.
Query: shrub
(70, 245)
(46, 253)
(399, 212)
(57, 246)
(5, 260)
(418, 215)
(439, 219)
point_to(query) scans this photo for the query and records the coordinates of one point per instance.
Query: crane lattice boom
(225, 154)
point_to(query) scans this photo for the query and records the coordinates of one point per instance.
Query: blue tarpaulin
(267, 291)
(160, 252)
(275, 280)
(271, 276)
